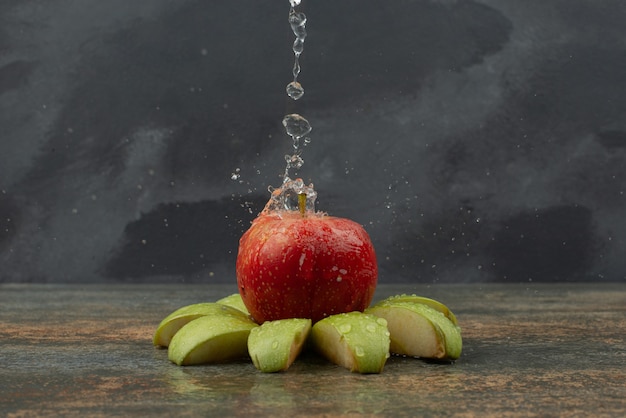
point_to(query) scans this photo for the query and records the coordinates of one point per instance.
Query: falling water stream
(286, 197)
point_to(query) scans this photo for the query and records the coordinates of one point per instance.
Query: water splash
(288, 195)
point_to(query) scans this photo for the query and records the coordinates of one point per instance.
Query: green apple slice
(435, 304)
(211, 339)
(177, 319)
(357, 341)
(419, 330)
(274, 345)
(234, 301)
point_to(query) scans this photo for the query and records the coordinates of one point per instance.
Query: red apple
(296, 265)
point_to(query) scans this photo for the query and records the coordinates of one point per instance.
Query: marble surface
(529, 350)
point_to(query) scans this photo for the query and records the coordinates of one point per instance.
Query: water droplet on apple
(345, 328)
(358, 350)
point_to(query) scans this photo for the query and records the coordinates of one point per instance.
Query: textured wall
(475, 140)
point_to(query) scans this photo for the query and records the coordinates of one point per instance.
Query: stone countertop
(529, 350)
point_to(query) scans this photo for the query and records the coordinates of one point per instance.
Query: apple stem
(302, 203)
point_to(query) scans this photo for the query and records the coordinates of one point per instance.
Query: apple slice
(357, 341)
(211, 339)
(177, 319)
(274, 345)
(419, 330)
(424, 300)
(234, 301)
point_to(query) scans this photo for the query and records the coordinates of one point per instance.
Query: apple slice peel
(419, 330)
(274, 345)
(435, 304)
(234, 301)
(354, 340)
(211, 339)
(172, 323)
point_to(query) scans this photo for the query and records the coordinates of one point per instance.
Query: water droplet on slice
(296, 126)
(358, 350)
(295, 90)
(382, 321)
(275, 344)
(370, 328)
(345, 328)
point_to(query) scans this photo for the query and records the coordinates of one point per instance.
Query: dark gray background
(475, 140)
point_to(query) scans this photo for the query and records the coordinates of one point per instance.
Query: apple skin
(312, 266)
